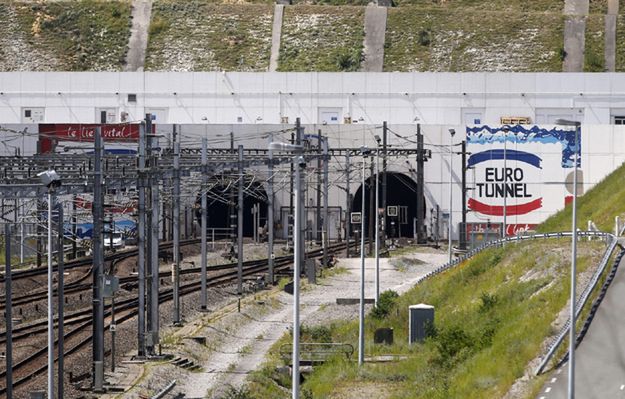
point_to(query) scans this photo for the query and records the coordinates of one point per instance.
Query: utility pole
(8, 311)
(384, 183)
(326, 237)
(348, 206)
(463, 226)
(361, 313)
(176, 229)
(290, 217)
(421, 158)
(371, 207)
(98, 264)
(270, 200)
(240, 225)
(204, 215)
(231, 203)
(319, 233)
(148, 228)
(141, 243)
(154, 261)
(60, 290)
(74, 221)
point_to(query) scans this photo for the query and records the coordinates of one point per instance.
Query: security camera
(452, 132)
(301, 162)
(365, 150)
(377, 138)
(49, 178)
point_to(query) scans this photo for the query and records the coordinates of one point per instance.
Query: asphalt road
(600, 358)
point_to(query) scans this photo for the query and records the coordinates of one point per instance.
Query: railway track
(127, 309)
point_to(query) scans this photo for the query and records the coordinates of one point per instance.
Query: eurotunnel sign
(523, 168)
(50, 134)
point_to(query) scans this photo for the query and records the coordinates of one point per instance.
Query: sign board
(522, 168)
(392, 211)
(356, 217)
(50, 134)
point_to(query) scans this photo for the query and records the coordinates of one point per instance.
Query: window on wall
(548, 116)
(618, 120)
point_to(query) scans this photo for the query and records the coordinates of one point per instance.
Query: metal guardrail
(583, 298)
(317, 351)
(579, 305)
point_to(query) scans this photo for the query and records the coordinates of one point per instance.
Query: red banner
(50, 134)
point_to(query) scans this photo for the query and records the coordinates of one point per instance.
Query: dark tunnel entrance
(401, 192)
(218, 208)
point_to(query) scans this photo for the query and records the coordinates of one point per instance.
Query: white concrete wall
(366, 98)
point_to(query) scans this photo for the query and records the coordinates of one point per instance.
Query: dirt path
(238, 342)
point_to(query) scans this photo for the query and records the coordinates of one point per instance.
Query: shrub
(488, 302)
(451, 343)
(385, 304)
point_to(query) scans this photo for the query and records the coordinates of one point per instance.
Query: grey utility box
(38, 395)
(311, 271)
(419, 317)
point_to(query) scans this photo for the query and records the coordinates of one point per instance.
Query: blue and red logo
(504, 182)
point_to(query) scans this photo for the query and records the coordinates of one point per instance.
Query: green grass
(454, 39)
(322, 38)
(82, 35)
(206, 36)
(601, 204)
(507, 6)
(620, 43)
(492, 315)
(595, 44)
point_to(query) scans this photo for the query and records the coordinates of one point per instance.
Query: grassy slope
(595, 44)
(322, 38)
(601, 204)
(83, 35)
(205, 36)
(462, 39)
(492, 316)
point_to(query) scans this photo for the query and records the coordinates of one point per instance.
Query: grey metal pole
(270, 201)
(204, 222)
(326, 237)
(141, 245)
(176, 220)
(505, 185)
(154, 261)
(384, 182)
(572, 334)
(8, 291)
(50, 312)
(112, 333)
(297, 264)
(22, 238)
(74, 227)
(60, 262)
(377, 226)
(319, 232)
(348, 206)
(98, 264)
(240, 225)
(451, 202)
(361, 312)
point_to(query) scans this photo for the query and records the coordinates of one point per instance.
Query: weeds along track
(78, 324)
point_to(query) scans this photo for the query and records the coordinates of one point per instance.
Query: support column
(384, 181)
(204, 215)
(325, 202)
(8, 311)
(270, 221)
(141, 245)
(348, 206)
(60, 262)
(154, 261)
(176, 230)
(240, 225)
(98, 264)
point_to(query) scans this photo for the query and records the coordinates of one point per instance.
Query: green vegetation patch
(620, 42)
(484, 6)
(83, 35)
(450, 40)
(595, 44)
(204, 36)
(322, 38)
(601, 204)
(493, 314)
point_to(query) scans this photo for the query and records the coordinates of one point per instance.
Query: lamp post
(361, 311)
(505, 130)
(377, 220)
(51, 180)
(452, 132)
(300, 163)
(571, 382)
